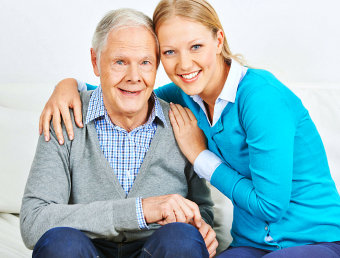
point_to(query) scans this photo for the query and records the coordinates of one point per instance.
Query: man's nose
(133, 73)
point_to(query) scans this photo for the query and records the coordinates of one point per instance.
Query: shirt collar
(235, 76)
(97, 109)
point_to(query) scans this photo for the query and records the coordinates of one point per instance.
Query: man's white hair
(120, 18)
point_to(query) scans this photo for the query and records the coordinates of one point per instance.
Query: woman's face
(190, 54)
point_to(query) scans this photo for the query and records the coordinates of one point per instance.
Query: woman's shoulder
(171, 93)
(260, 88)
(261, 82)
(259, 77)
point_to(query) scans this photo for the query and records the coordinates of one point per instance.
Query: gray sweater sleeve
(199, 192)
(46, 200)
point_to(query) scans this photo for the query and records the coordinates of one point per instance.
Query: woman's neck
(210, 94)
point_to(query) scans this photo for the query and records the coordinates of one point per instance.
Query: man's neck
(129, 123)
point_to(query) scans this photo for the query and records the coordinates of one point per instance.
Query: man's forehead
(119, 49)
(131, 39)
(128, 33)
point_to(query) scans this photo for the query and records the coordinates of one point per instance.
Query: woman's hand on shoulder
(189, 136)
(64, 96)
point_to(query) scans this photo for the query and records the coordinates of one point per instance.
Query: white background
(43, 41)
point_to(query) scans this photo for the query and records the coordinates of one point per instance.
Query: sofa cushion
(323, 104)
(20, 107)
(18, 137)
(11, 244)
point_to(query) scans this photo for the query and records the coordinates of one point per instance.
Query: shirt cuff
(81, 86)
(140, 215)
(206, 163)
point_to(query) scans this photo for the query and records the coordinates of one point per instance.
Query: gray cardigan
(73, 185)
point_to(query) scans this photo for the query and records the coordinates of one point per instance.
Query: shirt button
(266, 228)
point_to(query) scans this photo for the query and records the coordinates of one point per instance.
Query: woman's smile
(190, 77)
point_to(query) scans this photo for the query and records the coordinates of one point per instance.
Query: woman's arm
(66, 96)
(269, 125)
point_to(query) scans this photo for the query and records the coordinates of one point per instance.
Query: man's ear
(95, 63)
(220, 41)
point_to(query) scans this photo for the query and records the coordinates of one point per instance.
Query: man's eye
(197, 46)
(120, 62)
(145, 62)
(169, 52)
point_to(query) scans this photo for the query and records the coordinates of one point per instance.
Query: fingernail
(46, 139)
(71, 137)
(61, 142)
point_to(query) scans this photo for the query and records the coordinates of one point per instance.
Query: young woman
(263, 150)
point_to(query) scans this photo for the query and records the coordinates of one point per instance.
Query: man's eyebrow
(149, 57)
(120, 56)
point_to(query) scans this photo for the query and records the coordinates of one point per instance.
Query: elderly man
(107, 192)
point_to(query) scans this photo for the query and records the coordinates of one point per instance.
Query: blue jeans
(172, 240)
(319, 250)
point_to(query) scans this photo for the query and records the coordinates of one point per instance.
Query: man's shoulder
(165, 106)
(85, 100)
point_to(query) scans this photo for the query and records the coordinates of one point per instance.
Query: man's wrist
(140, 214)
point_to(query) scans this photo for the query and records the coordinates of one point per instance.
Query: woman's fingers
(78, 117)
(45, 119)
(65, 113)
(190, 114)
(209, 237)
(184, 114)
(189, 136)
(64, 96)
(212, 248)
(56, 120)
(173, 122)
(178, 114)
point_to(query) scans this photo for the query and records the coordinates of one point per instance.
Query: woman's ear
(220, 41)
(95, 64)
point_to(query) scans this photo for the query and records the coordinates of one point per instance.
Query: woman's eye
(168, 52)
(120, 62)
(145, 62)
(197, 46)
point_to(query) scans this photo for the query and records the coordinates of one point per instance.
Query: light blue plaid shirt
(125, 151)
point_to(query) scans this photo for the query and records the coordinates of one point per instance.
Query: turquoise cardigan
(274, 169)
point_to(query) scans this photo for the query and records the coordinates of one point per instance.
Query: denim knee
(64, 242)
(176, 240)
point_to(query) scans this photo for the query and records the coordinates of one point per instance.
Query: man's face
(128, 66)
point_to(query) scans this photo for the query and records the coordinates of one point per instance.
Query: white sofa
(20, 106)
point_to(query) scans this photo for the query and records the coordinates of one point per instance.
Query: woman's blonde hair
(198, 10)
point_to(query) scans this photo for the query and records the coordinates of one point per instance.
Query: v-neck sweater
(274, 167)
(73, 185)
